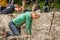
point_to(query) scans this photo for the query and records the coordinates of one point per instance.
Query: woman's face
(35, 16)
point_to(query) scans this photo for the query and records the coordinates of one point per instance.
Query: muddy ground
(45, 28)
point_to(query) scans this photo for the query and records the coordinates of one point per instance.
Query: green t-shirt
(24, 18)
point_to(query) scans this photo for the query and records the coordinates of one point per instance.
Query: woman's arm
(18, 9)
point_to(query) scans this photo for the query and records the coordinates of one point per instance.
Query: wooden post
(52, 19)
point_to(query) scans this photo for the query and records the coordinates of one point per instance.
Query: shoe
(7, 34)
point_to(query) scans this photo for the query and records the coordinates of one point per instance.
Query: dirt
(41, 27)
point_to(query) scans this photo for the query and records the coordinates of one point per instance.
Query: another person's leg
(13, 28)
(2, 8)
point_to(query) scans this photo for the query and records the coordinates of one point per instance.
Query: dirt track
(41, 26)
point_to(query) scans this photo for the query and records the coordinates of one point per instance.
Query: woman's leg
(13, 28)
(19, 29)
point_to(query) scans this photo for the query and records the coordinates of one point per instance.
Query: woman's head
(36, 14)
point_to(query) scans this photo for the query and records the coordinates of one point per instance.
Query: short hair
(37, 7)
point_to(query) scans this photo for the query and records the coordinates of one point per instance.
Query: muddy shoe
(7, 34)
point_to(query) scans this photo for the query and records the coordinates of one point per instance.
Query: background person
(11, 8)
